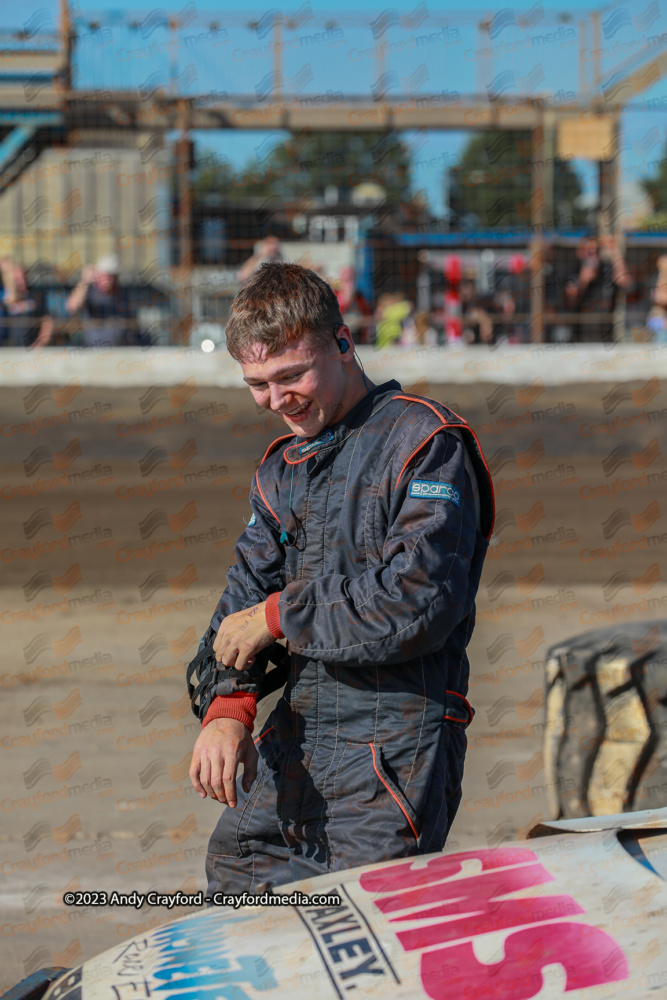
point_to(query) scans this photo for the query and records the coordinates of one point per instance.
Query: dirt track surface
(119, 513)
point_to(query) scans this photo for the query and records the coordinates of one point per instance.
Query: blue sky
(8, 8)
(425, 49)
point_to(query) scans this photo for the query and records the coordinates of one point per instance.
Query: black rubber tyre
(605, 739)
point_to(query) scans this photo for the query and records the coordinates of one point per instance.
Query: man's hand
(45, 333)
(589, 272)
(241, 636)
(221, 746)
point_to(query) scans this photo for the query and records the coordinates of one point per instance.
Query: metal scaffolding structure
(42, 99)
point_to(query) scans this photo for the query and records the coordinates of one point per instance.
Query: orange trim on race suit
(261, 493)
(268, 451)
(239, 705)
(283, 437)
(392, 793)
(272, 615)
(468, 706)
(418, 449)
(298, 460)
(445, 424)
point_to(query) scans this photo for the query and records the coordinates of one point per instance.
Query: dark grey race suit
(388, 514)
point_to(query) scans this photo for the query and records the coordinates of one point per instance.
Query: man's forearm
(77, 297)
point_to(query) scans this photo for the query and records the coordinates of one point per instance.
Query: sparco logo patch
(434, 491)
(328, 436)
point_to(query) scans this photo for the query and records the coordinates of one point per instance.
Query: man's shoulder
(413, 412)
(406, 423)
(274, 456)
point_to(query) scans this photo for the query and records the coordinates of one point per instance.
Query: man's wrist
(241, 706)
(272, 615)
(226, 724)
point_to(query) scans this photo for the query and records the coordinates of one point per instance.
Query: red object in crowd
(452, 307)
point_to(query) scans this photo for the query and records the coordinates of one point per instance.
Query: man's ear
(343, 336)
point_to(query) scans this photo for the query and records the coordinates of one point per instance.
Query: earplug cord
(284, 538)
(343, 346)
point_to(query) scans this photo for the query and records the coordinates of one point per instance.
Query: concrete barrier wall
(516, 365)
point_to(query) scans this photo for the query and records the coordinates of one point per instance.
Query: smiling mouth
(299, 412)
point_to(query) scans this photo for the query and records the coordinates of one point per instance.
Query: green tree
(212, 174)
(655, 185)
(491, 184)
(310, 162)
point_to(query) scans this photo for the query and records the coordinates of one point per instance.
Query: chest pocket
(330, 517)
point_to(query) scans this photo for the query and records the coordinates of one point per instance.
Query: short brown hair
(278, 304)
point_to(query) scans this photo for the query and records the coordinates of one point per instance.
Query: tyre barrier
(605, 739)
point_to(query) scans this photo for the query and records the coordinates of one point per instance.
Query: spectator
(409, 334)
(656, 321)
(23, 322)
(512, 298)
(268, 250)
(355, 310)
(561, 297)
(392, 312)
(477, 323)
(345, 289)
(603, 275)
(107, 316)
(427, 336)
(568, 302)
(504, 329)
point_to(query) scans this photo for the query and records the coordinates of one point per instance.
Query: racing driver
(364, 548)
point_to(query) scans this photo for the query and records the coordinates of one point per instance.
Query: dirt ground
(119, 513)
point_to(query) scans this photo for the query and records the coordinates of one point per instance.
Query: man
(268, 249)
(107, 317)
(369, 527)
(603, 277)
(23, 318)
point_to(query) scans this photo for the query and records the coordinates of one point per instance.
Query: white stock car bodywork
(580, 910)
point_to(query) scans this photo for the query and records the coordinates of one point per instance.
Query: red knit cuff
(239, 706)
(272, 615)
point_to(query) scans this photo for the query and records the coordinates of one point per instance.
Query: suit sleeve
(257, 570)
(256, 573)
(408, 604)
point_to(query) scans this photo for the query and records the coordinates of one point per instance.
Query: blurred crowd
(105, 308)
(579, 305)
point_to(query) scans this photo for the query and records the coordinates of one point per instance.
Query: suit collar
(333, 436)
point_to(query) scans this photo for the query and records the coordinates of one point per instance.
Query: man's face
(105, 282)
(304, 382)
(587, 250)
